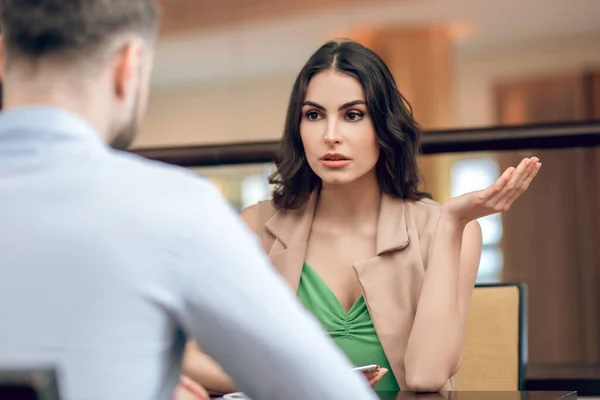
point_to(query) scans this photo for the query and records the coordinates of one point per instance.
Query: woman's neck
(350, 206)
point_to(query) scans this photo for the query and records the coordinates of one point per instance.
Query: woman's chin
(345, 177)
(336, 179)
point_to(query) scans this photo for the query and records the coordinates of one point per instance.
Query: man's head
(55, 50)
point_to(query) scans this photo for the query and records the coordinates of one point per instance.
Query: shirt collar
(46, 123)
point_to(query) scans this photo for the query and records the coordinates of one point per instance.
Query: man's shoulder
(157, 174)
(133, 164)
(163, 185)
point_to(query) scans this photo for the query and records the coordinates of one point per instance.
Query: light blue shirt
(108, 261)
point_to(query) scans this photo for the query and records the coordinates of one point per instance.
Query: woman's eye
(354, 116)
(312, 115)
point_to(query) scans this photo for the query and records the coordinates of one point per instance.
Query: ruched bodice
(352, 330)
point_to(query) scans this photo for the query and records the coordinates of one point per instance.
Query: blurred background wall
(224, 71)
(221, 65)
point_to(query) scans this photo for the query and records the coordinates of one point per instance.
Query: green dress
(353, 331)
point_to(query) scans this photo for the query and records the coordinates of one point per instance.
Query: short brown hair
(72, 28)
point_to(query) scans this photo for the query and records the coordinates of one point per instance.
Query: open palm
(496, 198)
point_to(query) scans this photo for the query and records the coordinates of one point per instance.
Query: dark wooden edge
(568, 395)
(523, 327)
(549, 395)
(499, 138)
(523, 334)
(583, 387)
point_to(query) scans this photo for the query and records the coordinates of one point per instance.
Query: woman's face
(336, 129)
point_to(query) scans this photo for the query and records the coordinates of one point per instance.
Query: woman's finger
(525, 184)
(533, 174)
(531, 168)
(493, 190)
(520, 174)
(373, 382)
(371, 375)
(513, 188)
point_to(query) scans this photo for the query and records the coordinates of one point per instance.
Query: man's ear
(128, 61)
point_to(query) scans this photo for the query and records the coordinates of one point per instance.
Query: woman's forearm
(434, 345)
(201, 368)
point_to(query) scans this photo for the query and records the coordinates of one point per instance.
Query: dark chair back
(28, 384)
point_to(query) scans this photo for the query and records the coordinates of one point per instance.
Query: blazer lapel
(391, 280)
(388, 281)
(291, 229)
(392, 231)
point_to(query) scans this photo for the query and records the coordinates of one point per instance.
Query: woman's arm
(435, 343)
(190, 390)
(205, 371)
(434, 346)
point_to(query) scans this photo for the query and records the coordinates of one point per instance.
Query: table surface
(491, 395)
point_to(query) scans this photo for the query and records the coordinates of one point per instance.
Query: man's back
(106, 259)
(87, 244)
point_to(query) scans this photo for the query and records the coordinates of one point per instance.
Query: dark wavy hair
(398, 135)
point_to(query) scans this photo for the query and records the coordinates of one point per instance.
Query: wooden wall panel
(426, 81)
(595, 95)
(545, 99)
(552, 235)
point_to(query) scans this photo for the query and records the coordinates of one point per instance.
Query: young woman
(387, 271)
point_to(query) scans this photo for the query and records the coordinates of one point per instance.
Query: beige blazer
(391, 281)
